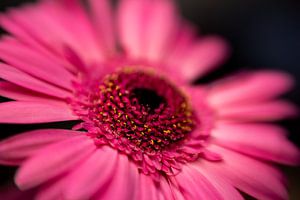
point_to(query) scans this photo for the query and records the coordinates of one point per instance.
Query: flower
(143, 130)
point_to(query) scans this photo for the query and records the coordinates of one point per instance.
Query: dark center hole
(148, 98)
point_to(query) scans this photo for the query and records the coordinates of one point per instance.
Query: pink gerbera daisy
(144, 130)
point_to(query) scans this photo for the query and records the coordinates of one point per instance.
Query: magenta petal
(249, 88)
(249, 175)
(94, 173)
(53, 160)
(24, 80)
(14, 150)
(123, 183)
(22, 112)
(15, 92)
(251, 139)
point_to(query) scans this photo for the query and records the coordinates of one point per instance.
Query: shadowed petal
(52, 190)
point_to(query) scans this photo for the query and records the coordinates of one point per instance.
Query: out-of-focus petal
(23, 112)
(202, 57)
(249, 88)
(22, 79)
(53, 160)
(268, 142)
(12, 91)
(14, 150)
(147, 28)
(103, 21)
(248, 175)
(265, 111)
(50, 27)
(34, 63)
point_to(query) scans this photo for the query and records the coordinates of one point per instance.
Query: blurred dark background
(262, 33)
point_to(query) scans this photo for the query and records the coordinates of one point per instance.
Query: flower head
(143, 130)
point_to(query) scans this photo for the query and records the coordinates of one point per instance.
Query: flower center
(140, 109)
(148, 98)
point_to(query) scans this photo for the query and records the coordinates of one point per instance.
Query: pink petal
(13, 27)
(169, 191)
(224, 188)
(52, 25)
(253, 177)
(18, 30)
(130, 21)
(22, 112)
(267, 111)
(196, 186)
(15, 92)
(53, 160)
(249, 87)
(97, 170)
(147, 28)
(24, 80)
(159, 29)
(88, 47)
(146, 190)
(32, 62)
(203, 57)
(102, 18)
(262, 141)
(52, 189)
(183, 42)
(14, 150)
(123, 184)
